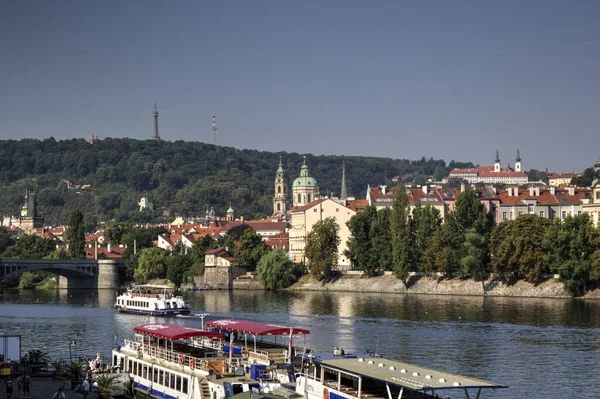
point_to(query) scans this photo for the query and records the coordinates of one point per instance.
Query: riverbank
(551, 288)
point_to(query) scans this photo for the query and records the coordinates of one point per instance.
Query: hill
(106, 179)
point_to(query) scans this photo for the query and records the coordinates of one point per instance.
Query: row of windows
(159, 376)
(509, 215)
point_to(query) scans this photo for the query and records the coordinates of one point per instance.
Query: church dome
(304, 181)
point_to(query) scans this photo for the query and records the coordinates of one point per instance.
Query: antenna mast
(214, 128)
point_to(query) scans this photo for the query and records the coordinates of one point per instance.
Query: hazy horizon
(443, 80)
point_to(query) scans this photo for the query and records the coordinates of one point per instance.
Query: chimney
(425, 188)
(383, 189)
(462, 187)
(571, 190)
(552, 190)
(531, 189)
(109, 248)
(537, 191)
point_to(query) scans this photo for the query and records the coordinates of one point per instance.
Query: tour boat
(153, 300)
(344, 376)
(173, 361)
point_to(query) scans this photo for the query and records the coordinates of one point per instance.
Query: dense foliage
(276, 271)
(108, 178)
(321, 249)
(469, 245)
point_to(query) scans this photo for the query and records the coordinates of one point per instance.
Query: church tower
(155, 135)
(230, 214)
(518, 162)
(279, 198)
(304, 188)
(497, 162)
(344, 191)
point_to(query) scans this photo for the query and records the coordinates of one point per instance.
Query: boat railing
(206, 363)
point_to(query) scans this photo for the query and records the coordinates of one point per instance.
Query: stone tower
(230, 214)
(155, 135)
(30, 219)
(280, 195)
(497, 165)
(518, 167)
(304, 188)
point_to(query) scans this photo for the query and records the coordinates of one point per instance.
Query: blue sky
(402, 79)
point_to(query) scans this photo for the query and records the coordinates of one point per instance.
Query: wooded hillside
(183, 177)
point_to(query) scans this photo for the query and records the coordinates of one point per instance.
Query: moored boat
(344, 376)
(153, 300)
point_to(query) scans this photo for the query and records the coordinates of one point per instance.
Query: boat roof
(254, 327)
(152, 286)
(406, 375)
(174, 332)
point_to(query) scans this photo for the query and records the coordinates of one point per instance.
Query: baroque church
(304, 190)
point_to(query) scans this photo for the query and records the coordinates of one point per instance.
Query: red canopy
(174, 332)
(254, 328)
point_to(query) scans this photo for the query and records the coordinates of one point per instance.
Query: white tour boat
(153, 300)
(168, 361)
(343, 376)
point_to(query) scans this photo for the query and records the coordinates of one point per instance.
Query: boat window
(166, 381)
(160, 377)
(130, 366)
(146, 373)
(155, 376)
(178, 386)
(185, 386)
(172, 380)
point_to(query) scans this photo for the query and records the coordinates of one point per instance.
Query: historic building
(561, 179)
(303, 219)
(304, 188)
(29, 219)
(492, 174)
(592, 205)
(280, 196)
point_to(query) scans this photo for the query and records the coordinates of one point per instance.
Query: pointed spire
(343, 194)
(518, 156)
(155, 135)
(497, 156)
(280, 168)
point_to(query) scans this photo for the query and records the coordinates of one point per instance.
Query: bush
(275, 270)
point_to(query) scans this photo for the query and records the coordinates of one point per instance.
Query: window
(278, 207)
(520, 213)
(530, 209)
(541, 214)
(308, 198)
(278, 189)
(337, 209)
(315, 210)
(504, 216)
(564, 214)
(579, 212)
(299, 198)
(598, 195)
(185, 385)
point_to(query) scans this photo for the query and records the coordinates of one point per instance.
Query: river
(540, 348)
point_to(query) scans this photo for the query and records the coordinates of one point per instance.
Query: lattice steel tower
(155, 135)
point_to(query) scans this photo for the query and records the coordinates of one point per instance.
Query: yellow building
(303, 218)
(592, 205)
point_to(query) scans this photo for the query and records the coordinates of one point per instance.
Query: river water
(540, 348)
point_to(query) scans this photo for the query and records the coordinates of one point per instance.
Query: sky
(404, 79)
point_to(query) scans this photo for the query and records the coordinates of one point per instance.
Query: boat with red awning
(173, 332)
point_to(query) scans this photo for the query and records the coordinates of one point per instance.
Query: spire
(280, 170)
(343, 194)
(518, 156)
(497, 156)
(155, 135)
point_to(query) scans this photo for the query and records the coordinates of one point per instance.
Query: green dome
(304, 181)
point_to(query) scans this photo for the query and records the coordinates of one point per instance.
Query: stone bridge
(73, 273)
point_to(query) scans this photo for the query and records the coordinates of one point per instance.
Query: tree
(6, 240)
(401, 236)
(177, 266)
(321, 249)
(197, 256)
(30, 247)
(151, 264)
(573, 247)
(586, 179)
(381, 238)
(236, 232)
(518, 247)
(276, 271)
(360, 244)
(251, 248)
(473, 263)
(76, 235)
(426, 220)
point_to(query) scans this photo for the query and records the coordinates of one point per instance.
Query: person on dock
(25, 382)
(9, 386)
(59, 394)
(86, 387)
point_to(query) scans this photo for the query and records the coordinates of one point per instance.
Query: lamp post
(71, 343)
(202, 316)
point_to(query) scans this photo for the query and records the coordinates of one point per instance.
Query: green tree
(76, 235)
(426, 220)
(177, 267)
(573, 247)
(251, 248)
(321, 249)
(586, 178)
(6, 240)
(360, 244)
(276, 271)
(518, 247)
(381, 238)
(473, 263)
(402, 254)
(151, 264)
(30, 247)
(197, 256)
(236, 232)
